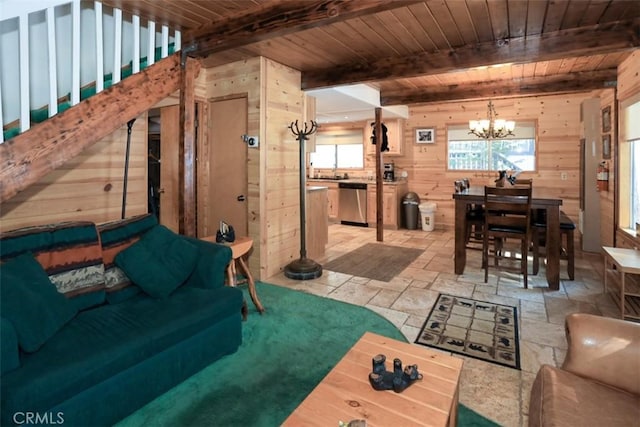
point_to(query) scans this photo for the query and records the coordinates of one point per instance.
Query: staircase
(95, 48)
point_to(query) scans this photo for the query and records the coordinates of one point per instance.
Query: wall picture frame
(425, 135)
(606, 146)
(606, 119)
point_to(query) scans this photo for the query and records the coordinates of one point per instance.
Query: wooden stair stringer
(46, 146)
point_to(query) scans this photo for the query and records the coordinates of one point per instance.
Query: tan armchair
(599, 382)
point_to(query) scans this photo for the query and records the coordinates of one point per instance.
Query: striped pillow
(116, 236)
(69, 252)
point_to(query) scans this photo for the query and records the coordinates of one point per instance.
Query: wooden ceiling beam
(29, 156)
(278, 20)
(566, 83)
(583, 41)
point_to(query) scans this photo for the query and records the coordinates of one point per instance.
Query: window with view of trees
(468, 152)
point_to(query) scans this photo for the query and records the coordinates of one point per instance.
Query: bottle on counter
(312, 173)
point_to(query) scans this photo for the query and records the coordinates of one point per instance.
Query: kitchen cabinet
(395, 135)
(332, 196)
(332, 200)
(392, 210)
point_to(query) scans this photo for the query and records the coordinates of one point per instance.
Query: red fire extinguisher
(602, 174)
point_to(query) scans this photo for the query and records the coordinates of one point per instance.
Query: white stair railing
(53, 48)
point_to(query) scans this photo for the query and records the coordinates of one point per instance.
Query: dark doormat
(375, 261)
(478, 329)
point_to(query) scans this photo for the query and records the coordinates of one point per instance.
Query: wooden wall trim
(29, 156)
(187, 155)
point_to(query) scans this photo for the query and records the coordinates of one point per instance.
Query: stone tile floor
(499, 393)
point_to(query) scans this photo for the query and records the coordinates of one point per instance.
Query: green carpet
(284, 354)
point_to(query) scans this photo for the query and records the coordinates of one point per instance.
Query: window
(629, 161)
(468, 152)
(634, 210)
(342, 149)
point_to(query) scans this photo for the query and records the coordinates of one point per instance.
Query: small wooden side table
(626, 262)
(239, 250)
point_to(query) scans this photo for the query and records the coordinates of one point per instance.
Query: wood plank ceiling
(415, 51)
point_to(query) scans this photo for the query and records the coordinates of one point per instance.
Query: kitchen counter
(355, 181)
(393, 191)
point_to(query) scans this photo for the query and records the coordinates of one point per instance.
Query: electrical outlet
(563, 176)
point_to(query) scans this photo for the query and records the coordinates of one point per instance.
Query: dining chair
(474, 230)
(507, 216)
(567, 249)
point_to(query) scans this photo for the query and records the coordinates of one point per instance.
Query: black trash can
(410, 203)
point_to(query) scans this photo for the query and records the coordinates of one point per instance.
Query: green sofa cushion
(116, 236)
(159, 262)
(9, 357)
(31, 302)
(103, 342)
(211, 266)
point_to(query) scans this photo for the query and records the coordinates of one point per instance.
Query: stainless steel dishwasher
(352, 203)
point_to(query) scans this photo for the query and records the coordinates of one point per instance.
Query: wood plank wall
(280, 228)
(88, 187)
(558, 128)
(241, 78)
(275, 100)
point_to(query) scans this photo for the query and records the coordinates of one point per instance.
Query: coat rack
(303, 268)
(126, 168)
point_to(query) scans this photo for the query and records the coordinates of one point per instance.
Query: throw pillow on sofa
(159, 262)
(31, 302)
(116, 236)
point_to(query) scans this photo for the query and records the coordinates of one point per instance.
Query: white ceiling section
(352, 103)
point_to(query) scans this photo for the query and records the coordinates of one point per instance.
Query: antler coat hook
(303, 135)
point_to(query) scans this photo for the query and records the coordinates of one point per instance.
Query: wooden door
(169, 167)
(227, 186)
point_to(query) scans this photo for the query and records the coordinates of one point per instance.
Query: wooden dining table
(474, 195)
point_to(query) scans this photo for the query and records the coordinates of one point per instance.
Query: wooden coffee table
(345, 393)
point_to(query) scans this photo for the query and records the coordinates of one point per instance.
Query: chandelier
(492, 127)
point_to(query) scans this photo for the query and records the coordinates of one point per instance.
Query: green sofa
(97, 320)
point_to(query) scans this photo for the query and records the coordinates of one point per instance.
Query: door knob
(161, 190)
(241, 198)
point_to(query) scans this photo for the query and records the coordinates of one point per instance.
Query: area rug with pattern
(375, 261)
(478, 329)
